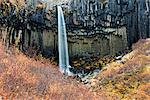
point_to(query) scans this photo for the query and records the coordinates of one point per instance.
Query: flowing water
(62, 44)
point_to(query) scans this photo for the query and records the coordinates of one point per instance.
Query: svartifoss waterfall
(62, 44)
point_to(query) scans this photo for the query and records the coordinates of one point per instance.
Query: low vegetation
(128, 78)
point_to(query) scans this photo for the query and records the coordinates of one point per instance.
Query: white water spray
(62, 44)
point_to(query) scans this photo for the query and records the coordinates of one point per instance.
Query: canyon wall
(94, 27)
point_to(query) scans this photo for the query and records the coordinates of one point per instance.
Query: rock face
(94, 27)
(133, 14)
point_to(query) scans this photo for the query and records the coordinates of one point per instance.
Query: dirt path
(22, 77)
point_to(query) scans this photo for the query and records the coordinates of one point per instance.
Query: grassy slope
(24, 78)
(128, 78)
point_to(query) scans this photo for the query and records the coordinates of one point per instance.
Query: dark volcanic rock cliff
(133, 14)
(95, 27)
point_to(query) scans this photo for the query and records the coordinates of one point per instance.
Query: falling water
(62, 44)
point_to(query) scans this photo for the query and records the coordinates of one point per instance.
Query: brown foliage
(24, 78)
(130, 79)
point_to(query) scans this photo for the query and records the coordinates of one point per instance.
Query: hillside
(23, 77)
(128, 78)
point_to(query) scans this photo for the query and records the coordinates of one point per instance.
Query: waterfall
(62, 44)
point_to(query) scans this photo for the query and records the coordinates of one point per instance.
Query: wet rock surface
(91, 25)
